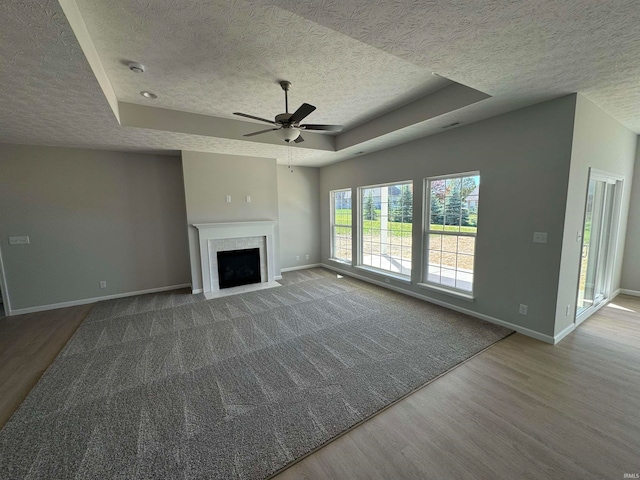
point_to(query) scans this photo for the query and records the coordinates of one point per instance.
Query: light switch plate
(22, 240)
(539, 237)
(228, 198)
(248, 198)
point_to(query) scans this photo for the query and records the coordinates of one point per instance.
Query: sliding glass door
(598, 243)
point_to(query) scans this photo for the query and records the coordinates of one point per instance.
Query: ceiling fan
(287, 124)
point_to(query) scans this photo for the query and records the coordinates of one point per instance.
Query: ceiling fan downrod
(286, 85)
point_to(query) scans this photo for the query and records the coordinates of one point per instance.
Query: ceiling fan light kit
(287, 124)
(289, 134)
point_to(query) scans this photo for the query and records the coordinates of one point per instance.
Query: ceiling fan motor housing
(283, 118)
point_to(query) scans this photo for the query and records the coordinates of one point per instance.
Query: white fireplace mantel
(209, 232)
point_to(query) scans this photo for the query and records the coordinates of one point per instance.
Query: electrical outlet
(248, 198)
(523, 309)
(103, 284)
(228, 198)
(297, 257)
(306, 256)
(567, 310)
(539, 237)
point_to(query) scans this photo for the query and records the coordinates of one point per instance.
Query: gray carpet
(170, 386)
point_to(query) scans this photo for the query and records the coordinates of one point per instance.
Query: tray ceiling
(354, 60)
(220, 57)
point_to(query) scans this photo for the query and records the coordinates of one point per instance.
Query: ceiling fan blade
(327, 128)
(261, 131)
(304, 110)
(255, 118)
(299, 139)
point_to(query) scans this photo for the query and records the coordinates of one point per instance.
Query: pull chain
(290, 151)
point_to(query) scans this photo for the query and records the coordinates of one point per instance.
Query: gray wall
(599, 141)
(209, 178)
(631, 267)
(299, 207)
(91, 216)
(523, 158)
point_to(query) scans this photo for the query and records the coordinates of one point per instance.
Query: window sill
(454, 293)
(395, 276)
(341, 262)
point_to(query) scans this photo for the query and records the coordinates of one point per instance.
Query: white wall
(523, 158)
(91, 216)
(630, 279)
(599, 141)
(299, 208)
(209, 178)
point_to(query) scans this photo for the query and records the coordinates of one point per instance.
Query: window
(386, 227)
(341, 225)
(450, 232)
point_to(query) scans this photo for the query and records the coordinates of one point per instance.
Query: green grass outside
(400, 229)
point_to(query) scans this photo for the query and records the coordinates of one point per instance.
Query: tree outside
(370, 212)
(403, 211)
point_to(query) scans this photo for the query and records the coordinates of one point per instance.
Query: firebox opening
(238, 267)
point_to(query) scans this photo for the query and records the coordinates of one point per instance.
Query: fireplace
(223, 237)
(238, 267)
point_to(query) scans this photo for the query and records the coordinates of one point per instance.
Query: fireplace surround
(227, 236)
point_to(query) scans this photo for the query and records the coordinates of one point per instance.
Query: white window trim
(426, 231)
(369, 268)
(333, 225)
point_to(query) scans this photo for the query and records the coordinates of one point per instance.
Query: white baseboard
(525, 331)
(301, 267)
(564, 333)
(197, 290)
(277, 277)
(84, 301)
(633, 293)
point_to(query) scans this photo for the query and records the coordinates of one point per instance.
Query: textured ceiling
(510, 49)
(225, 56)
(519, 52)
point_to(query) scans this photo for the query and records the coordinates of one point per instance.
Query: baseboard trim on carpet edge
(301, 267)
(383, 409)
(84, 301)
(523, 330)
(633, 293)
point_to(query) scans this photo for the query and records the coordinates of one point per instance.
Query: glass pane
(435, 242)
(464, 281)
(435, 257)
(452, 184)
(433, 274)
(387, 218)
(448, 277)
(450, 243)
(465, 263)
(590, 243)
(466, 245)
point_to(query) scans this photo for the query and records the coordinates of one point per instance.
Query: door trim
(619, 182)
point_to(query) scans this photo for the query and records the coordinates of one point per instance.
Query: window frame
(360, 246)
(426, 232)
(333, 225)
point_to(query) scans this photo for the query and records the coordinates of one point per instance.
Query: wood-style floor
(28, 345)
(521, 409)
